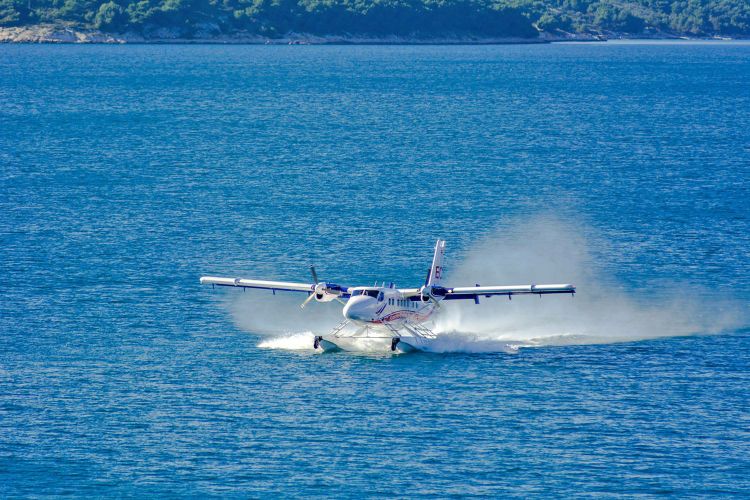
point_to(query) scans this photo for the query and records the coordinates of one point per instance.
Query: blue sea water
(126, 172)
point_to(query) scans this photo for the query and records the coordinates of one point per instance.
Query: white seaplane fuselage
(386, 306)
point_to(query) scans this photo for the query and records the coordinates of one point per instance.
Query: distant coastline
(64, 34)
(54, 34)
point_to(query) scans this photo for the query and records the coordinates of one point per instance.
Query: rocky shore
(209, 34)
(66, 34)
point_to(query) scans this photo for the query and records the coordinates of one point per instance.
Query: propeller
(323, 292)
(430, 297)
(428, 292)
(308, 299)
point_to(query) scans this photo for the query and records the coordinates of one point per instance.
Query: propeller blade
(437, 303)
(314, 275)
(340, 300)
(312, 296)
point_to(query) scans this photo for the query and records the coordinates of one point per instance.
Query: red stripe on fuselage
(402, 314)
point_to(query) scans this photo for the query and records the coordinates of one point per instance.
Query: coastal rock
(55, 34)
(211, 33)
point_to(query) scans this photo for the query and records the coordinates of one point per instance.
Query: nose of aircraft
(357, 308)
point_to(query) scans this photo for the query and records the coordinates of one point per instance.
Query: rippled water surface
(126, 172)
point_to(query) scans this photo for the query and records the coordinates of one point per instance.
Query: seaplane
(399, 316)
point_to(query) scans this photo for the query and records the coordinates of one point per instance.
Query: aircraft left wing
(264, 285)
(474, 292)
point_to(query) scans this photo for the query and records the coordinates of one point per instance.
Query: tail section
(436, 271)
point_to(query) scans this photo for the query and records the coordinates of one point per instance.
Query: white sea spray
(545, 249)
(539, 249)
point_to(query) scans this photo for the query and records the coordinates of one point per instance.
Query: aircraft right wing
(474, 292)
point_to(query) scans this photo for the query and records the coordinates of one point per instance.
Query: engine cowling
(429, 292)
(326, 292)
(323, 291)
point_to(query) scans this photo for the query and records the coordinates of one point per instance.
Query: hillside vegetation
(381, 18)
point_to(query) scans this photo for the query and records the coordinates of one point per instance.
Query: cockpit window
(377, 294)
(380, 296)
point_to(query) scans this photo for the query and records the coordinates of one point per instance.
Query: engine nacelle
(430, 291)
(326, 293)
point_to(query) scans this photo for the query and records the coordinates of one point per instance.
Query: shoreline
(55, 34)
(52, 34)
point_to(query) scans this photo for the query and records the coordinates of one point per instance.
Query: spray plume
(529, 251)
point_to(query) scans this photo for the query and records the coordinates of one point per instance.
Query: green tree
(110, 17)
(10, 12)
(415, 18)
(555, 22)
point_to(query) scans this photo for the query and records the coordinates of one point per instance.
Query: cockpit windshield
(370, 293)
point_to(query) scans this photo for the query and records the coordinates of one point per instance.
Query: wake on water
(537, 250)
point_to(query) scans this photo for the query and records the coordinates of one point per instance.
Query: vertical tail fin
(436, 271)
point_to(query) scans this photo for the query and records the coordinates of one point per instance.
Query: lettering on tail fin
(436, 271)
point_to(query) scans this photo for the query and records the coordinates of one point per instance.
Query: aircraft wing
(264, 285)
(474, 292)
